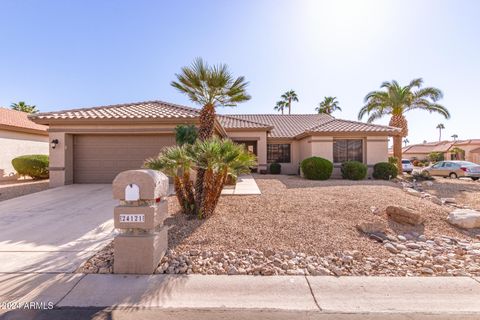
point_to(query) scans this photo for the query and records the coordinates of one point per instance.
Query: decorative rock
(372, 227)
(465, 218)
(448, 200)
(436, 200)
(404, 215)
(390, 247)
(401, 238)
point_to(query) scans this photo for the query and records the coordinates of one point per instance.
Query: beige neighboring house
(421, 151)
(19, 136)
(95, 144)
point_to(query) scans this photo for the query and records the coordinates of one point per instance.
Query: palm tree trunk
(440, 135)
(399, 121)
(397, 152)
(207, 125)
(289, 106)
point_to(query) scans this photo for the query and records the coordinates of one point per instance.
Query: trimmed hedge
(385, 171)
(275, 168)
(316, 168)
(354, 170)
(35, 166)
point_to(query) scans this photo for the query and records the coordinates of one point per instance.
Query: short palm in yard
(215, 157)
(210, 87)
(395, 101)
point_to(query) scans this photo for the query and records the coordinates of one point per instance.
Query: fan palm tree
(23, 107)
(406, 141)
(210, 87)
(455, 137)
(177, 162)
(328, 105)
(288, 97)
(280, 106)
(395, 101)
(440, 127)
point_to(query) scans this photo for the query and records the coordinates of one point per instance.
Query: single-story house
(19, 136)
(94, 144)
(470, 150)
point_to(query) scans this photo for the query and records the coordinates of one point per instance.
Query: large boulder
(465, 218)
(404, 215)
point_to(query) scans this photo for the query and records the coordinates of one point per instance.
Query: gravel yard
(17, 188)
(465, 191)
(314, 217)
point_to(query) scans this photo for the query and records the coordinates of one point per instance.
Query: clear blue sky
(66, 54)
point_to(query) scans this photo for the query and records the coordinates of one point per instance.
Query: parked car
(454, 169)
(407, 166)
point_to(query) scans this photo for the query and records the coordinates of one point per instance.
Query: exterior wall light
(54, 143)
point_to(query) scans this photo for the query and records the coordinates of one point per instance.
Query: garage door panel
(99, 158)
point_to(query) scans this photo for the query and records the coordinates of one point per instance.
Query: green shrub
(185, 134)
(354, 170)
(385, 171)
(275, 168)
(35, 166)
(316, 168)
(393, 160)
(436, 156)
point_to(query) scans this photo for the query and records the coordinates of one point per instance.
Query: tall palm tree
(210, 87)
(440, 127)
(406, 141)
(280, 106)
(22, 106)
(395, 101)
(328, 105)
(455, 137)
(288, 97)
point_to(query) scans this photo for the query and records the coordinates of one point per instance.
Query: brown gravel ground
(315, 217)
(17, 188)
(465, 191)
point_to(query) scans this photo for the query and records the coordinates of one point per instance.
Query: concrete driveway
(55, 230)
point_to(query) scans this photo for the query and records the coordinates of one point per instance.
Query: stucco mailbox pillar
(142, 241)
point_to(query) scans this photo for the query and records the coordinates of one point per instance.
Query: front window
(347, 150)
(278, 153)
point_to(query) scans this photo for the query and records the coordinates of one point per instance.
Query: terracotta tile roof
(231, 122)
(19, 121)
(140, 110)
(285, 126)
(441, 146)
(338, 125)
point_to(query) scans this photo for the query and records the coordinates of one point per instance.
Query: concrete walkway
(378, 297)
(246, 185)
(55, 230)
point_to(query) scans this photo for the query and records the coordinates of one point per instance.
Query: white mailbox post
(142, 241)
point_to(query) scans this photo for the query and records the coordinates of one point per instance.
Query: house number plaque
(132, 218)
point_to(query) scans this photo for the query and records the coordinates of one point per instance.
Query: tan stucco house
(19, 136)
(470, 148)
(94, 144)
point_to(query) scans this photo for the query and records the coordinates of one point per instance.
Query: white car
(407, 166)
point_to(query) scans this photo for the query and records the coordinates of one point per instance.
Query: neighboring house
(94, 144)
(19, 136)
(471, 150)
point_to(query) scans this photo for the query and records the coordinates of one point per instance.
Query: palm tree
(455, 137)
(210, 87)
(328, 105)
(23, 107)
(216, 157)
(395, 101)
(288, 97)
(440, 127)
(406, 141)
(280, 106)
(177, 162)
